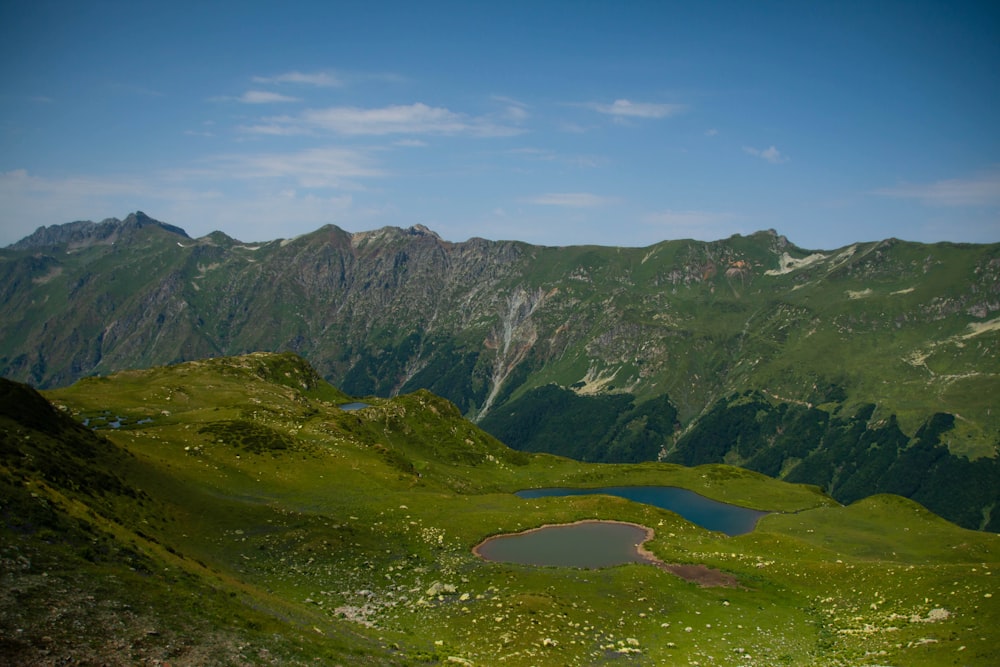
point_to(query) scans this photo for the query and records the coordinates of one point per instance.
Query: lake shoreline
(711, 514)
(702, 575)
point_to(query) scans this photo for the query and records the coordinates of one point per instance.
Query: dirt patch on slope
(702, 575)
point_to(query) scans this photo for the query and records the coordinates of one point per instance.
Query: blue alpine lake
(705, 512)
(357, 405)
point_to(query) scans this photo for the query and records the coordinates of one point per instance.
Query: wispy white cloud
(321, 79)
(701, 225)
(770, 154)
(279, 126)
(329, 78)
(982, 189)
(546, 155)
(629, 109)
(569, 200)
(572, 128)
(417, 118)
(396, 119)
(711, 132)
(317, 168)
(410, 143)
(204, 132)
(20, 180)
(532, 152)
(516, 113)
(264, 97)
(514, 110)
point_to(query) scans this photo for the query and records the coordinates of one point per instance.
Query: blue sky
(557, 123)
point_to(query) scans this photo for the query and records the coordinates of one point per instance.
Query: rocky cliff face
(911, 329)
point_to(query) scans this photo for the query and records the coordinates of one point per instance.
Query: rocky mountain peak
(361, 239)
(83, 233)
(421, 230)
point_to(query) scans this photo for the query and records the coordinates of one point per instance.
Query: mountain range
(865, 369)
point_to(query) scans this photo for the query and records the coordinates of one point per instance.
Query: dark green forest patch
(850, 456)
(608, 428)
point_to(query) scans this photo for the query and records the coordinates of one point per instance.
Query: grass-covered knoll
(352, 544)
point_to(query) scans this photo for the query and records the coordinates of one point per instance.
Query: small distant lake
(705, 512)
(587, 544)
(354, 406)
(98, 422)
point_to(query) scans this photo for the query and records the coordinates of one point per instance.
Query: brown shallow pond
(586, 544)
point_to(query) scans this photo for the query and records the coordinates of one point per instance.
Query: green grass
(352, 543)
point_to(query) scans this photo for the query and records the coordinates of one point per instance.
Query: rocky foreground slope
(851, 357)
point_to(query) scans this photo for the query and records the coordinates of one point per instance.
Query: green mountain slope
(505, 329)
(227, 511)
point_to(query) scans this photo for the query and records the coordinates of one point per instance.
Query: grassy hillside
(227, 511)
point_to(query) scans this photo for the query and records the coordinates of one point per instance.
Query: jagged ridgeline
(241, 510)
(873, 367)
